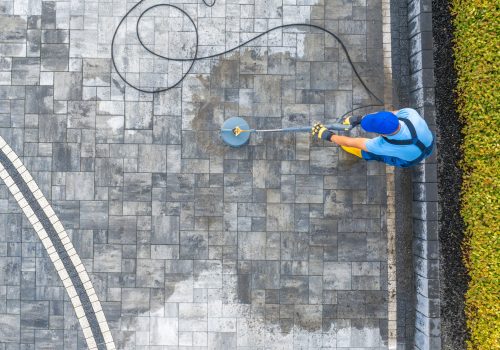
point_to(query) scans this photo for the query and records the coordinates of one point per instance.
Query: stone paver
(190, 244)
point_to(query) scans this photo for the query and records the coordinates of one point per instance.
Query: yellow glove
(321, 132)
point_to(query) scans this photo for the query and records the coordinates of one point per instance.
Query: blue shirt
(379, 146)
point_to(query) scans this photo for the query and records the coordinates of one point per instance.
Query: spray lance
(236, 132)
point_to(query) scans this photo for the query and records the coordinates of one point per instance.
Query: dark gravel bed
(454, 277)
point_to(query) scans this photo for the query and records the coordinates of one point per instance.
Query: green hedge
(477, 60)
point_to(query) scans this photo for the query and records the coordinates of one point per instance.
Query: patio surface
(190, 244)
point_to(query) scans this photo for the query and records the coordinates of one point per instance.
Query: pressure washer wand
(337, 126)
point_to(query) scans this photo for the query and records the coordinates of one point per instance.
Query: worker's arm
(357, 142)
(323, 133)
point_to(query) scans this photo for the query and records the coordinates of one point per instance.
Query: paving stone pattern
(190, 244)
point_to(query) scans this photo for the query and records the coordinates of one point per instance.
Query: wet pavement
(280, 244)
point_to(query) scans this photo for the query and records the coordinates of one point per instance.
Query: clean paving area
(189, 244)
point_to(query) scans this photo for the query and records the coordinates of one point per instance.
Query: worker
(405, 138)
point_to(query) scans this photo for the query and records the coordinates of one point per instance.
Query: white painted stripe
(12, 156)
(79, 312)
(38, 194)
(32, 186)
(58, 265)
(47, 243)
(99, 315)
(14, 189)
(91, 343)
(58, 227)
(93, 297)
(104, 326)
(76, 261)
(53, 219)
(71, 251)
(50, 250)
(84, 323)
(20, 200)
(87, 333)
(84, 276)
(48, 210)
(67, 283)
(35, 223)
(42, 234)
(26, 176)
(63, 274)
(6, 149)
(107, 337)
(17, 163)
(79, 268)
(8, 181)
(43, 202)
(28, 211)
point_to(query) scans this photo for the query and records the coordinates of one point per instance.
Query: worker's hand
(321, 132)
(352, 120)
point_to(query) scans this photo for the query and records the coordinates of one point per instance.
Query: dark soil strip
(454, 278)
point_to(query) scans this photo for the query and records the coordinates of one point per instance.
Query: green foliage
(477, 60)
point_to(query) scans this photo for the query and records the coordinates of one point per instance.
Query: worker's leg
(352, 150)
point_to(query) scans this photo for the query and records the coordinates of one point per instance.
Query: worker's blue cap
(381, 122)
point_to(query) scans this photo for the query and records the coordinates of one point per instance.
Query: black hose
(195, 58)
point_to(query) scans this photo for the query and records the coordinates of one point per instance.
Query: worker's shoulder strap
(414, 139)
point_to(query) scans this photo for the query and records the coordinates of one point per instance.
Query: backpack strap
(414, 139)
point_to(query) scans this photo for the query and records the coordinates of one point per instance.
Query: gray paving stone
(135, 301)
(193, 245)
(54, 57)
(66, 157)
(80, 186)
(152, 158)
(280, 217)
(15, 28)
(165, 230)
(150, 273)
(93, 215)
(122, 229)
(294, 290)
(67, 85)
(96, 72)
(109, 172)
(25, 71)
(39, 99)
(107, 258)
(137, 187)
(324, 75)
(34, 314)
(10, 328)
(138, 115)
(337, 276)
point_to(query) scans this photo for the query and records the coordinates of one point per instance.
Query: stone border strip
(424, 179)
(63, 255)
(390, 185)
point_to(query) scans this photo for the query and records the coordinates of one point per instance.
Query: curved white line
(51, 251)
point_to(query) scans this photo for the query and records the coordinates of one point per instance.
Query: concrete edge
(424, 180)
